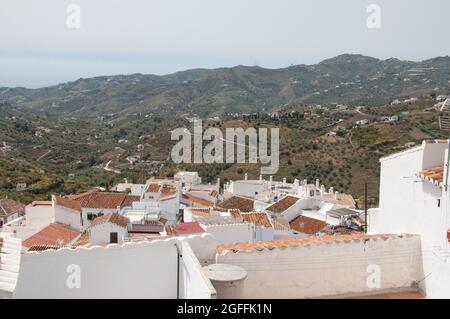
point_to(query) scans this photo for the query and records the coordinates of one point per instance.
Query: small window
(113, 238)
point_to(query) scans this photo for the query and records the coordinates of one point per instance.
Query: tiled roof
(283, 204)
(153, 188)
(280, 225)
(295, 242)
(184, 229)
(53, 235)
(434, 175)
(236, 213)
(101, 200)
(84, 239)
(197, 200)
(200, 212)
(307, 225)
(168, 191)
(9, 207)
(68, 203)
(259, 219)
(244, 204)
(95, 199)
(130, 199)
(115, 218)
(155, 227)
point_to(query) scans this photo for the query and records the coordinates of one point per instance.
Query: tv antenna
(444, 124)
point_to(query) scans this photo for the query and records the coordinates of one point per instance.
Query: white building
(108, 229)
(187, 179)
(38, 215)
(413, 199)
(78, 211)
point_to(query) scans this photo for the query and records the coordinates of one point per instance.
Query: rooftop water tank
(228, 280)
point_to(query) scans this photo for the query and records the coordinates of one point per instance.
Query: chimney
(245, 176)
(336, 197)
(331, 190)
(317, 184)
(260, 178)
(284, 180)
(218, 182)
(322, 190)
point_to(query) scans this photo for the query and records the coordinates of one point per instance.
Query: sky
(38, 48)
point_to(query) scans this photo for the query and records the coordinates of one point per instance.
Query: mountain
(349, 78)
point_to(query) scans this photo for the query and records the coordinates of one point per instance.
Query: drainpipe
(179, 256)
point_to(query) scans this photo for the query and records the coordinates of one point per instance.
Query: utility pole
(365, 208)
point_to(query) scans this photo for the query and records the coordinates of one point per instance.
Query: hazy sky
(163, 36)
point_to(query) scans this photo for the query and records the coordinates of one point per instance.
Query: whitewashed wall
(134, 270)
(96, 211)
(170, 208)
(100, 234)
(69, 217)
(409, 204)
(232, 233)
(143, 270)
(329, 269)
(193, 283)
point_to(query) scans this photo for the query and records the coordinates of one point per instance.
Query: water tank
(228, 280)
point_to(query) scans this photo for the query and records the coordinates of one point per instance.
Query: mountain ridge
(347, 78)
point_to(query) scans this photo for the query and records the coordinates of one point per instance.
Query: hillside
(352, 79)
(99, 131)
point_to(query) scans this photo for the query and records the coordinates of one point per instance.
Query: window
(113, 238)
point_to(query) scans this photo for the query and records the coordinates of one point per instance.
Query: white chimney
(336, 195)
(331, 190)
(260, 178)
(245, 176)
(317, 183)
(322, 190)
(284, 180)
(218, 182)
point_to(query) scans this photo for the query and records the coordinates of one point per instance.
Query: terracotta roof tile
(9, 207)
(434, 175)
(115, 218)
(153, 188)
(280, 224)
(283, 204)
(259, 219)
(244, 204)
(197, 200)
(53, 234)
(307, 225)
(294, 242)
(168, 191)
(68, 203)
(184, 229)
(101, 200)
(130, 199)
(236, 213)
(95, 199)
